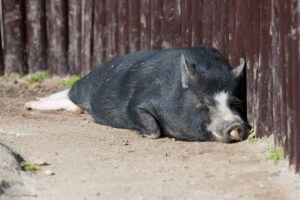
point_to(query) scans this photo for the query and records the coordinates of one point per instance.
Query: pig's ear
(187, 72)
(237, 71)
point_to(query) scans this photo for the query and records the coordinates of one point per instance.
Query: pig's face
(225, 125)
(215, 87)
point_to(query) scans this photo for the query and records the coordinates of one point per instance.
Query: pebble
(49, 172)
(125, 142)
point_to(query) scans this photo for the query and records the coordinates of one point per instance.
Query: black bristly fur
(142, 91)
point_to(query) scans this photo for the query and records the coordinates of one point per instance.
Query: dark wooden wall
(74, 36)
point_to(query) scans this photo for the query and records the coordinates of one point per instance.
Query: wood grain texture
(36, 35)
(14, 36)
(57, 36)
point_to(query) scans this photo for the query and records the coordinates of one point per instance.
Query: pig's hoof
(79, 110)
(152, 135)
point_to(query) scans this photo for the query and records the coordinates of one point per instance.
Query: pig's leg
(148, 125)
(56, 101)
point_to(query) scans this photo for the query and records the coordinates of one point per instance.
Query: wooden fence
(74, 36)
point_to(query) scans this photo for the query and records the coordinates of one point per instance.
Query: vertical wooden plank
(172, 24)
(238, 42)
(276, 67)
(255, 19)
(285, 23)
(259, 79)
(291, 92)
(111, 25)
(109, 34)
(282, 71)
(186, 25)
(156, 24)
(14, 36)
(134, 25)
(1, 52)
(237, 20)
(196, 23)
(267, 62)
(297, 71)
(36, 35)
(249, 63)
(256, 60)
(264, 91)
(123, 23)
(207, 22)
(296, 23)
(86, 35)
(145, 24)
(231, 31)
(290, 106)
(114, 28)
(219, 27)
(74, 55)
(57, 36)
(99, 33)
(294, 69)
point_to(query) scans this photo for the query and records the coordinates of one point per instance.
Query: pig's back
(82, 90)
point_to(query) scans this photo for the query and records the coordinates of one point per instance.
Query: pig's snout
(235, 132)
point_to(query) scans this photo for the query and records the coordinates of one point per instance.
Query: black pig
(184, 93)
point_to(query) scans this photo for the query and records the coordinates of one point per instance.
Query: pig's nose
(236, 132)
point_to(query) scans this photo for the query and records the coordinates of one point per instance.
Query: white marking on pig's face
(221, 115)
(222, 106)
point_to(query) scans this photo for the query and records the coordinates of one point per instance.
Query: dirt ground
(92, 161)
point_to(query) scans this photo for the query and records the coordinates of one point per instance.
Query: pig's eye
(208, 101)
(234, 103)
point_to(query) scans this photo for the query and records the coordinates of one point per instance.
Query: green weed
(37, 78)
(274, 154)
(28, 168)
(70, 81)
(252, 136)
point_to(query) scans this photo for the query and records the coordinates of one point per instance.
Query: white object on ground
(56, 101)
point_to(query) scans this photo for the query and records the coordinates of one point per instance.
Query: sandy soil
(91, 161)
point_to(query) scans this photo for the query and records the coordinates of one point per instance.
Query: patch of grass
(28, 168)
(37, 78)
(252, 136)
(70, 81)
(274, 154)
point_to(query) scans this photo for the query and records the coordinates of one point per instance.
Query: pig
(184, 93)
